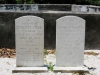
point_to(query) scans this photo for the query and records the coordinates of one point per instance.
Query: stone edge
(30, 69)
(70, 69)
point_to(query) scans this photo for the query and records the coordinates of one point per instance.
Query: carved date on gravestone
(29, 41)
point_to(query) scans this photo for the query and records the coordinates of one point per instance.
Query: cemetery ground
(8, 61)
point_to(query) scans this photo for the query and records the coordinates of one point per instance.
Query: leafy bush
(83, 2)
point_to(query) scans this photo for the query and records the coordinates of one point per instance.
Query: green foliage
(80, 2)
(18, 1)
(45, 52)
(50, 66)
(92, 2)
(25, 1)
(29, 2)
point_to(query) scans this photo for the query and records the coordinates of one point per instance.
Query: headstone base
(30, 69)
(70, 69)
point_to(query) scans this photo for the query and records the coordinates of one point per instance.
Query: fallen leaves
(49, 51)
(11, 53)
(91, 53)
(6, 52)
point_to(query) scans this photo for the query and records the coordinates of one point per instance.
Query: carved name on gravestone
(70, 38)
(29, 41)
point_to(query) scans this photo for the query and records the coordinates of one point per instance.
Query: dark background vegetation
(82, 2)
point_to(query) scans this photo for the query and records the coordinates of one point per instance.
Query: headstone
(70, 38)
(29, 32)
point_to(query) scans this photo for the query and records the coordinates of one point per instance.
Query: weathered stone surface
(85, 8)
(70, 38)
(29, 31)
(70, 69)
(34, 7)
(30, 69)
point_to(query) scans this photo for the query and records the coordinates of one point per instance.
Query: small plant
(44, 56)
(50, 66)
(45, 52)
(93, 53)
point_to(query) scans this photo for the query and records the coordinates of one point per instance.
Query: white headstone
(29, 32)
(70, 38)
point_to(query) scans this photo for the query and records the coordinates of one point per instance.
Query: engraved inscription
(70, 35)
(29, 41)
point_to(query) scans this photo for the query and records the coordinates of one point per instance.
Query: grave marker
(70, 38)
(29, 32)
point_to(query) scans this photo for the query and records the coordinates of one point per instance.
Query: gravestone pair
(70, 35)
